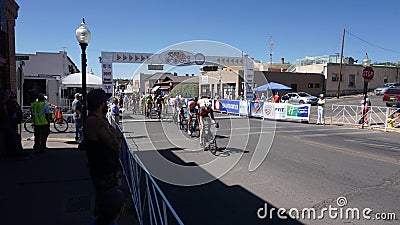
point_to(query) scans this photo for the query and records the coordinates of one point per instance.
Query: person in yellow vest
(41, 119)
(321, 103)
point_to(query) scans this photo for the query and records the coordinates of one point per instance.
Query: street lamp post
(368, 74)
(83, 36)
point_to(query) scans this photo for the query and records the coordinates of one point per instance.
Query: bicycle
(209, 141)
(194, 125)
(59, 123)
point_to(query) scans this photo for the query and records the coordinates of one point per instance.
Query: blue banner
(229, 106)
(256, 109)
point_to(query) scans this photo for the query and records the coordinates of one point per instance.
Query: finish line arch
(173, 58)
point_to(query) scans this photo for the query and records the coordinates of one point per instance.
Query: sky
(297, 28)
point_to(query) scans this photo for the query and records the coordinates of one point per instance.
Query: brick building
(8, 15)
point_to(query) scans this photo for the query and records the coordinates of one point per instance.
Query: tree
(186, 90)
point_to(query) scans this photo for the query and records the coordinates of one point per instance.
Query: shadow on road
(214, 202)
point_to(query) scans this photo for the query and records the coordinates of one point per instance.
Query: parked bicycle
(59, 123)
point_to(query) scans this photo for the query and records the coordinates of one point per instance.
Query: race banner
(301, 112)
(256, 109)
(274, 110)
(243, 108)
(230, 106)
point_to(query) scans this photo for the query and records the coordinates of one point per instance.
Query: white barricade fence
(352, 115)
(286, 111)
(151, 205)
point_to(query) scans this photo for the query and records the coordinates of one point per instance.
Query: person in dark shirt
(102, 143)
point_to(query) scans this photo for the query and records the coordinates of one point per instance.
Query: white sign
(107, 77)
(204, 79)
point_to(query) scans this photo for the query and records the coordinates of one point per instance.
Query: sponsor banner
(256, 109)
(298, 111)
(243, 108)
(274, 110)
(230, 106)
(286, 111)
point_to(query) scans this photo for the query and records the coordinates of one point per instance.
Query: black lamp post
(83, 36)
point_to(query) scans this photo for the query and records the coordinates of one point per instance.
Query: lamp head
(366, 61)
(83, 34)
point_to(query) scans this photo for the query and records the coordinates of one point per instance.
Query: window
(316, 85)
(352, 80)
(205, 90)
(335, 77)
(310, 85)
(385, 79)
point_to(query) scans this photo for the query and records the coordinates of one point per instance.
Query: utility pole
(341, 65)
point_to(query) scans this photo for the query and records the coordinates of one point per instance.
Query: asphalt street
(305, 166)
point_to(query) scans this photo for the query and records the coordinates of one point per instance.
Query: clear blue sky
(298, 28)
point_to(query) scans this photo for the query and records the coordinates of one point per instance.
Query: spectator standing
(102, 143)
(11, 146)
(41, 119)
(14, 111)
(365, 106)
(115, 111)
(276, 98)
(263, 97)
(77, 110)
(321, 104)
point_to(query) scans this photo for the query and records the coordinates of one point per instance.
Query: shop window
(352, 80)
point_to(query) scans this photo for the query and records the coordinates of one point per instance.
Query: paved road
(307, 166)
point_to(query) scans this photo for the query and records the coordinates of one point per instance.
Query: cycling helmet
(195, 99)
(208, 104)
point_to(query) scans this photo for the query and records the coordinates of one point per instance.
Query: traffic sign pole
(368, 75)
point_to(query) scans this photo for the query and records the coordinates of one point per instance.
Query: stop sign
(368, 74)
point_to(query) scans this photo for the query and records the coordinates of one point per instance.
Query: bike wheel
(29, 126)
(213, 147)
(61, 125)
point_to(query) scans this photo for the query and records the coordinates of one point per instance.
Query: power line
(372, 44)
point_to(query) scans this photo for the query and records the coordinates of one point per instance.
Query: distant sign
(21, 57)
(155, 67)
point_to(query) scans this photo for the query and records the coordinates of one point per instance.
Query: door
(53, 91)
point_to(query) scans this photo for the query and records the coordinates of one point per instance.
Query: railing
(352, 115)
(151, 205)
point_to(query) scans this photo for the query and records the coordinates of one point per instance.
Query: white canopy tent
(75, 80)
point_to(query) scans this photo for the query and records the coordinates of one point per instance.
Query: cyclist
(149, 105)
(193, 110)
(206, 114)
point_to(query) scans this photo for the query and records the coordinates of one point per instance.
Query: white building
(42, 73)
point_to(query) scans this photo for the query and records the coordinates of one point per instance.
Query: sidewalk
(49, 188)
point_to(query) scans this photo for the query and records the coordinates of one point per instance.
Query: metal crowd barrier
(351, 115)
(151, 205)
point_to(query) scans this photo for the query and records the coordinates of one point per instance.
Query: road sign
(21, 57)
(155, 67)
(368, 74)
